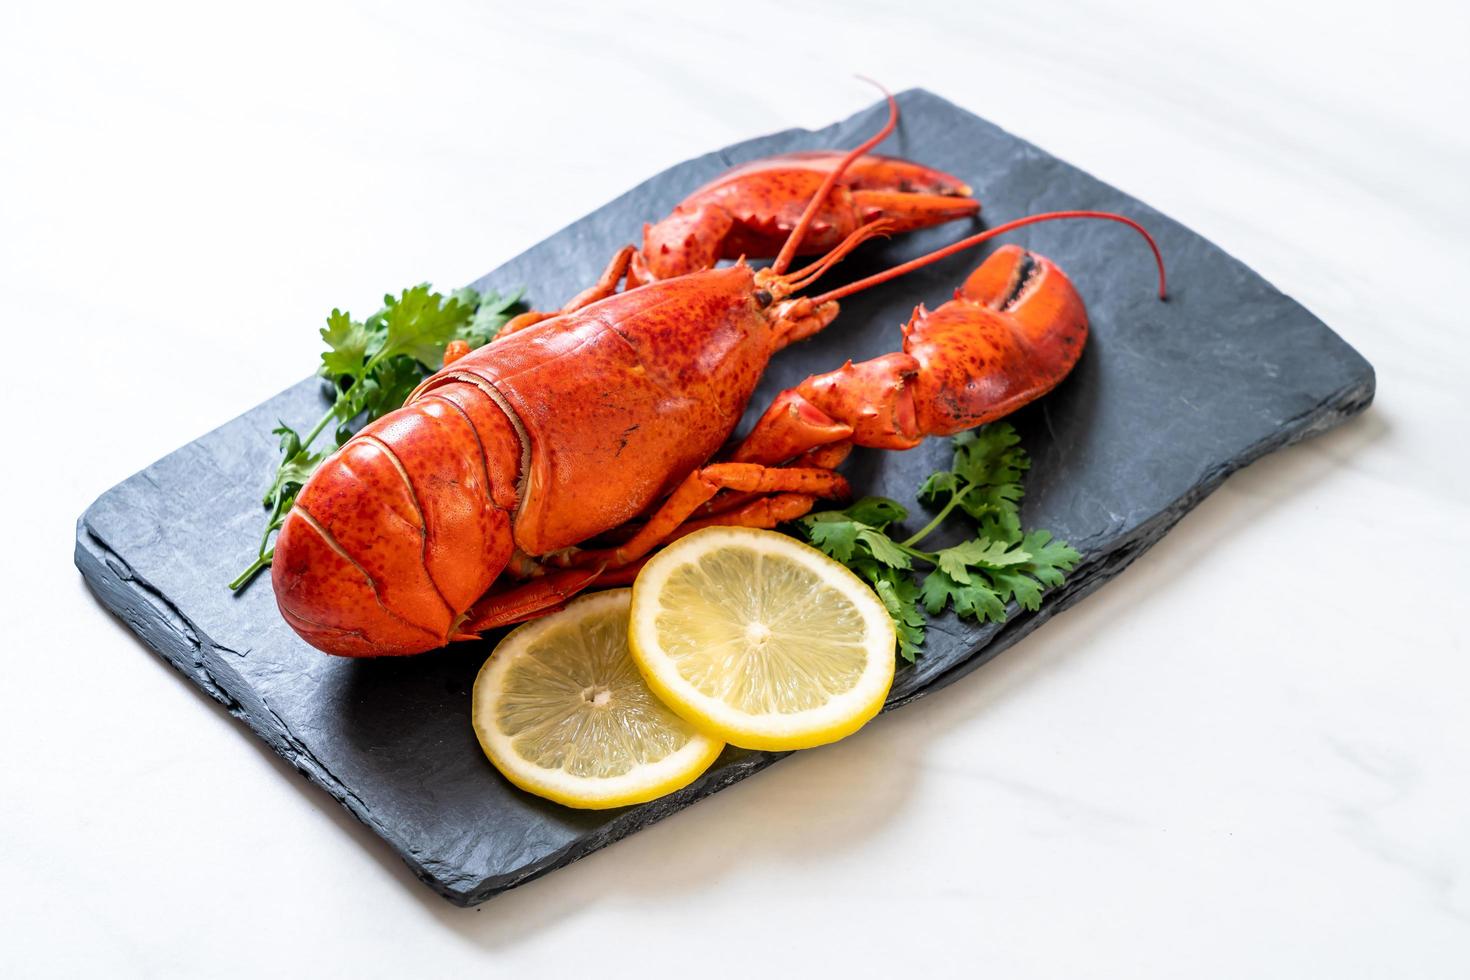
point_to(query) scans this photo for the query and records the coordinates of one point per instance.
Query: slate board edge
(167, 631)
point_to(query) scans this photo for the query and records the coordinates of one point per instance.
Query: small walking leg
(698, 487)
(537, 597)
(606, 285)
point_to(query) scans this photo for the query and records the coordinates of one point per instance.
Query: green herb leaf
(883, 548)
(876, 512)
(466, 296)
(981, 552)
(1004, 525)
(985, 476)
(938, 486)
(836, 537)
(1050, 560)
(979, 600)
(938, 591)
(347, 345)
(1018, 586)
(493, 313)
(421, 323)
(381, 391)
(977, 577)
(857, 532)
(900, 597)
(990, 455)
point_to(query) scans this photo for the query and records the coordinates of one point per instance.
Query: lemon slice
(760, 639)
(562, 711)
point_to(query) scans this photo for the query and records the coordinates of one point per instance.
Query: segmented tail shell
(399, 532)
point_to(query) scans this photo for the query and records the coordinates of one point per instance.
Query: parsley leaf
(978, 577)
(981, 552)
(494, 312)
(975, 597)
(347, 345)
(883, 548)
(1050, 560)
(836, 537)
(984, 480)
(420, 324)
(876, 512)
(900, 597)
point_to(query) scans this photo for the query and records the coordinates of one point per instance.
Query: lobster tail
(400, 532)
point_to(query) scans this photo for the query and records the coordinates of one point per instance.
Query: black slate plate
(1169, 399)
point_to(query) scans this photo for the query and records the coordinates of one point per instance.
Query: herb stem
(928, 556)
(249, 573)
(944, 512)
(316, 430)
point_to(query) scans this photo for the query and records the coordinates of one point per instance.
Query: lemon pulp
(563, 712)
(760, 639)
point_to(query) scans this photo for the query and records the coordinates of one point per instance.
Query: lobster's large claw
(1010, 335)
(908, 194)
(750, 209)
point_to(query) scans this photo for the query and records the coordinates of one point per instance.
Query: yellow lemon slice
(761, 640)
(562, 711)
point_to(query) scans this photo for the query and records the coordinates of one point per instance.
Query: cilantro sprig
(978, 577)
(374, 365)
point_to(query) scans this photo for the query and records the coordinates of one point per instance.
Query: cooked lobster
(470, 507)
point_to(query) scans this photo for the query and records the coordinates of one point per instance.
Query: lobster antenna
(793, 240)
(976, 239)
(802, 278)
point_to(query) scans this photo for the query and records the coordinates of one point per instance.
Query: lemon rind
(772, 731)
(649, 782)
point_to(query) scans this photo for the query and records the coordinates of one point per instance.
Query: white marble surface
(1247, 756)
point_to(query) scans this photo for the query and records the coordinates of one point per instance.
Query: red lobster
(613, 408)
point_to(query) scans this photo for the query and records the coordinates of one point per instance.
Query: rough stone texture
(1169, 399)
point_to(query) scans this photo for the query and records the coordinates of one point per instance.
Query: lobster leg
(690, 239)
(539, 596)
(606, 285)
(827, 457)
(698, 487)
(765, 512)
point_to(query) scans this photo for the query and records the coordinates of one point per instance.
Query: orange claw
(1012, 332)
(751, 209)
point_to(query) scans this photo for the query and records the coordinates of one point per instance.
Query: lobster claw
(751, 209)
(908, 194)
(1012, 332)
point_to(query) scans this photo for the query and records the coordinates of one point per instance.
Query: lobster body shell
(537, 442)
(620, 400)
